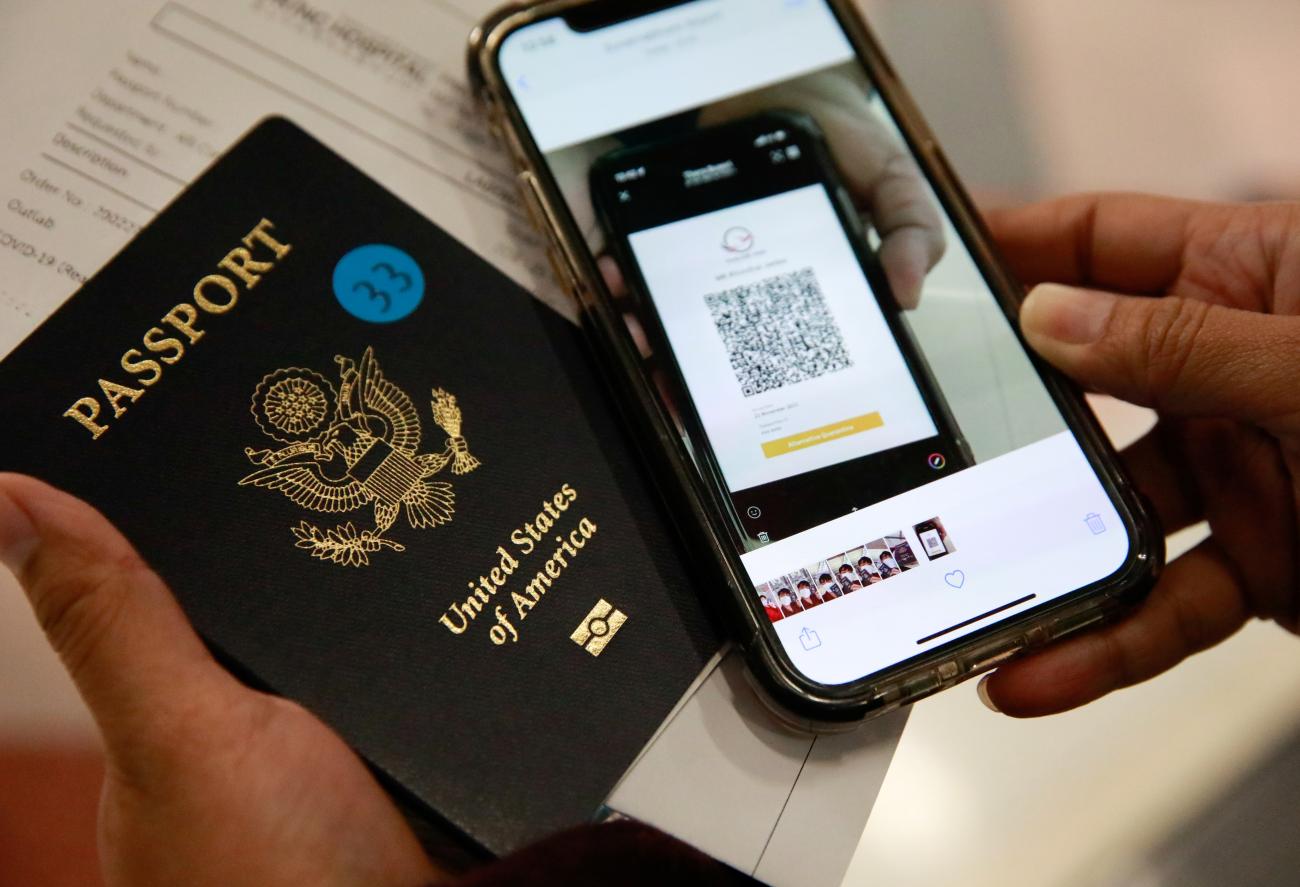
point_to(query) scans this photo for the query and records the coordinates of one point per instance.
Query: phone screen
(747, 253)
(898, 475)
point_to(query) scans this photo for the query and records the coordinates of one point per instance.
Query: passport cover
(380, 478)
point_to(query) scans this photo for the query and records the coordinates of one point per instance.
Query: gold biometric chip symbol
(599, 627)
(354, 446)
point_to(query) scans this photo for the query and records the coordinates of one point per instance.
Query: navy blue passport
(382, 481)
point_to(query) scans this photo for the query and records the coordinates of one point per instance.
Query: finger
(1182, 357)
(877, 169)
(889, 186)
(1159, 468)
(128, 647)
(1125, 242)
(638, 334)
(1198, 603)
(613, 276)
(910, 227)
(1246, 485)
(908, 252)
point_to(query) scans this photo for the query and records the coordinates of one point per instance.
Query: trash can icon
(1095, 524)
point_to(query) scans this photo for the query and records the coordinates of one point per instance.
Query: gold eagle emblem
(353, 446)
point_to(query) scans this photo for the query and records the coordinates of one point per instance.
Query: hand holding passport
(204, 773)
(413, 513)
(199, 764)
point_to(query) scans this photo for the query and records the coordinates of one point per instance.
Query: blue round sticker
(378, 283)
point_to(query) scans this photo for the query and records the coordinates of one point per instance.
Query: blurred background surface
(1191, 779)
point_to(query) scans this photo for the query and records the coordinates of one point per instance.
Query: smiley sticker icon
(379, 283)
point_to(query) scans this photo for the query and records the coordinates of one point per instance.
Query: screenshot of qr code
(778, 332)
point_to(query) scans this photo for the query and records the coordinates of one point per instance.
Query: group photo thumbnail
(835, 577)
(853, 571)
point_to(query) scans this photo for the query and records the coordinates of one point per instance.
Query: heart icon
(956, 578)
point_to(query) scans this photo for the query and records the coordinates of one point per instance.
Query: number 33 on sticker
(378, 283)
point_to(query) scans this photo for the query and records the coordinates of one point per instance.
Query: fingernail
(982, 691)
(1067, 315)
(18, 538)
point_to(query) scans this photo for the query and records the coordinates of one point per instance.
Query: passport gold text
(165, 345)
(536, 535)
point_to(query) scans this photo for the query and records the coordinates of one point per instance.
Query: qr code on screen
(778, 332)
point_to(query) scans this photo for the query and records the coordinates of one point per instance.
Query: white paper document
(788, 809)
(111, 110)
(148, 94)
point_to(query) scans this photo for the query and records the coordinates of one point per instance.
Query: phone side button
(529, 190)
(565, 273)
(996, 659)
(492, 112)
(1037, 636)
(1069, 625)
(921, 685)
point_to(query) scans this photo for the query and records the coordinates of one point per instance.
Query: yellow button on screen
(805, 439)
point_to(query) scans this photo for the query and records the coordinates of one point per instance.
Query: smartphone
(785, 280)
(815, 342)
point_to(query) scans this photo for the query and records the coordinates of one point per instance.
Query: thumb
(1183, 357)
(908, 253)
(123, 638)
(908, 221)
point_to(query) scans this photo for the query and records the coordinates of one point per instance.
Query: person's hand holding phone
(1194, 310)
(811, 396)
